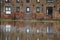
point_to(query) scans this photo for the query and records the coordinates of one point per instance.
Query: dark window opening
(7, 1)
(27, 1)
(17, 9)
(49, 10)
(49, 0)
(27, 9)
(59, 10)
(38, 9)
(38, 1)
(17, 1)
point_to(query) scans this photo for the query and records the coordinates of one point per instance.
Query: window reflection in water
(20, 29)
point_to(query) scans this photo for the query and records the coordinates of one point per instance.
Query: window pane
(27, 1)
(49, 29)
(7, 0)
(37, 30)
(17, 9)
(38, 0)
(38, 9)
(8, 10)
(27, 9)
(50, 0)
(18, 1)
(27, 30)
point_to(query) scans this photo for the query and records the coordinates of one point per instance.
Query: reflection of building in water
(30, 31)
(30, 9)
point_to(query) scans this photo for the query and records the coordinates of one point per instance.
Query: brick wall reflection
(30, 31)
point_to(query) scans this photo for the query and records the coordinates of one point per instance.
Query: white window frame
(8, 10)
(8, 28)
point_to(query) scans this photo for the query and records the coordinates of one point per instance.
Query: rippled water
(29, 31)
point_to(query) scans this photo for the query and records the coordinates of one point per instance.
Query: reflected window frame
(37, 30)
(17, 37)
(50, 0)
(7, 38)
(27, 30)
(8, 28)
(49, 29)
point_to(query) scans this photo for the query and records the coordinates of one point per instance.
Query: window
(49, 0)
(27, 30)
(8, 10)
(49, 10)
(59, 10)
(8, 28)
(49, 29)
(7, 38)
(27, 9)
(27, 1)
(38, 1)
(17, 38)
(38, 9)
(17, 9)
(17, 30)
(37, 30)
(7, 0)
(17, 1)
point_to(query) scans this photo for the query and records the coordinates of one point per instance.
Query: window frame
(8, 9)
(17, 1)
(38, 9)
(27, 30)
(37, 30)
(27, 9)
(27, 1)
(7, 38)
(8, 28)
(7, 1)
(38, 1)
(59, 10)
(48, 12)
(50, 1)
(49, 29)
(17, 9)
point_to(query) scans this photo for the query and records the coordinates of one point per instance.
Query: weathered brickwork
(21, 15)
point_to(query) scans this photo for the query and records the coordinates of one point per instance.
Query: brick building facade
(30, 9)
